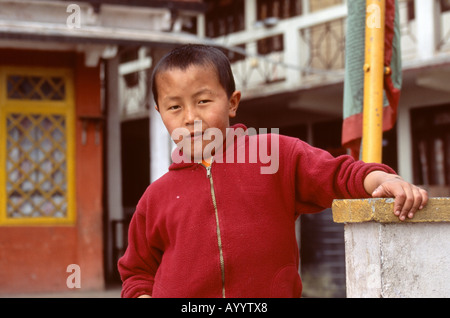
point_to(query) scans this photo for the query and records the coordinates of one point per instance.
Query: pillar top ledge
(382, 211)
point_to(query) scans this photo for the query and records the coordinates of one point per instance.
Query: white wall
(398, 260)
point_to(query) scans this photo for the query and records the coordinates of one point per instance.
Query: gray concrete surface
(107, 293)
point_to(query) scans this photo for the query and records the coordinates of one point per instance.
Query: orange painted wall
(35, 258)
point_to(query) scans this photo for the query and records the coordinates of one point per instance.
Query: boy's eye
(175, 107)
(204, 101)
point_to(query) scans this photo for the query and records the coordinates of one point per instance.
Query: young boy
(216, 227)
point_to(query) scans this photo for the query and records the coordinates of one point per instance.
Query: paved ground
(107, 293)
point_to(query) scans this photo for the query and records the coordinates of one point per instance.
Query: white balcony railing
(312, 51)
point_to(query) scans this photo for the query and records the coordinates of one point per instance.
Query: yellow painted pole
(373, 82)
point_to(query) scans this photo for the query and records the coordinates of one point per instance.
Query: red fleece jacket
(230, 232)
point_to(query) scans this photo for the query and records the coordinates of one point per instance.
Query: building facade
(72, 78)
(80, 139)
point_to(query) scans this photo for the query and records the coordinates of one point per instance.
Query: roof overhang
(112, 22)
(102, 27)
(45, 32)
(185, 5)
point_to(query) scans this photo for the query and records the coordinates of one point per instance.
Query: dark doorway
(135, 161)
(135, 157)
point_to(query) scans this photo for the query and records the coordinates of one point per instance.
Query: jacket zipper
(219, 238)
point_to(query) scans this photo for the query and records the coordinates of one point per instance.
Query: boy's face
(194, 96)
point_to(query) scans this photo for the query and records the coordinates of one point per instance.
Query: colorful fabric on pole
(354, 73)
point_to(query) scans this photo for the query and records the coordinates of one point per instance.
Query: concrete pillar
(250, 14)
(160, 146)
(292, 55)
(160, 142)
(250, 22)
(404, 148)
(113, 154)
(427, 27)
(114, 162)
(386, 258)
(201, 25)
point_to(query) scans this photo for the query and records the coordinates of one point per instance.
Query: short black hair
(200, 55)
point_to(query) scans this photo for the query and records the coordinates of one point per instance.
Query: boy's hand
(408, 197)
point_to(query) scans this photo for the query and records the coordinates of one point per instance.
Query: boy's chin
(198, 157)
(198, 153)
(191, 154)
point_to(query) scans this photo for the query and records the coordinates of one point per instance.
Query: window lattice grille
(29, 87)
(36, 165)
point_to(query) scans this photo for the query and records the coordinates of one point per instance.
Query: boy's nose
(190, 116)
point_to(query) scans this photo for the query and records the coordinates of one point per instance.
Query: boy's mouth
(197, 135)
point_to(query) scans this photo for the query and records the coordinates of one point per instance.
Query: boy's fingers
(417, 197)
(403, 203)
(410, 202)
(424, 195)
(422, 199)
(408, 198)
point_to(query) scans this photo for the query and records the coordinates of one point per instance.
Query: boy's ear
(234, 103)
(157, 108)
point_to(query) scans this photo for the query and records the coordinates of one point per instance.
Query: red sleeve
(138, 266)
(320, 178)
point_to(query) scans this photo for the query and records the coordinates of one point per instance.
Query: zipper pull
(208, 171)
